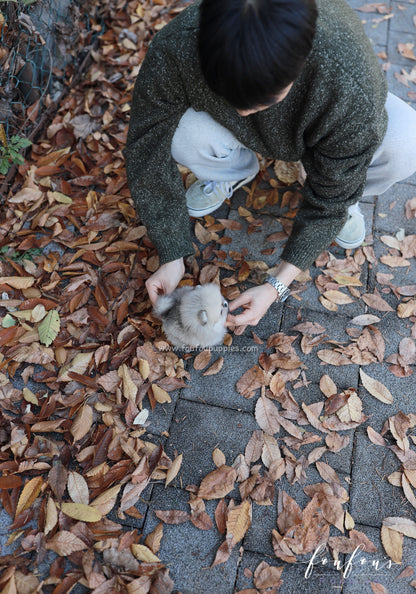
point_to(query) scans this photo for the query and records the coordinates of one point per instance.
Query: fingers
(153, 290)
(240, 301)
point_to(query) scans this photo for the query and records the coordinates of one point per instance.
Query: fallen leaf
(64, 543)
(217, 483)
(29, 494)
(376, 388)
(80, 511)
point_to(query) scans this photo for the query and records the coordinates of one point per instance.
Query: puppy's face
(213, 308)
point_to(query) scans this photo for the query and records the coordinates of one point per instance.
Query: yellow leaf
(17, 282)
(348, 521)
(173, 470)
(338, 297)
(29, 396)
(142, 553)
(160, 394)
(238, 521)
(144, 368)
(51, 516)
(29, 494)
(392, 543)
(80, 511)
(129, 387)
(59, 197)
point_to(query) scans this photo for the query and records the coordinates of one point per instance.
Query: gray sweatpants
(212, 152)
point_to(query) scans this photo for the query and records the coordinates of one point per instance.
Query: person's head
(251, 51)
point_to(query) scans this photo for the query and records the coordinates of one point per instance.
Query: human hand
(165, 279)
(255, 301)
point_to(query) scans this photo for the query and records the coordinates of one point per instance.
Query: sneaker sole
(349, 245)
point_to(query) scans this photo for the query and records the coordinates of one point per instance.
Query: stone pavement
(212, 414)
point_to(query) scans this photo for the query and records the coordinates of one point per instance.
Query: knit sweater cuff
(169, 250)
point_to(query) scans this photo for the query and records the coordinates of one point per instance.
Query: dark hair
(250, 50)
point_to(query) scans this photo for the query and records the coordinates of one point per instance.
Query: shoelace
(225, 188)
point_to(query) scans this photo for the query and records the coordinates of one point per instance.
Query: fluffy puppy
(193, 316)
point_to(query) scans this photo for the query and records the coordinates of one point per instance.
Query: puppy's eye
(225, 304)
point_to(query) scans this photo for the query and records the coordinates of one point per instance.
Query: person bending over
(294, 80)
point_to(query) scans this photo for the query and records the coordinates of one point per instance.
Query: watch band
(281, 289)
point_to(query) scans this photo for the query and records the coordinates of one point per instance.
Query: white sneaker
(203, 197)
(353, 232)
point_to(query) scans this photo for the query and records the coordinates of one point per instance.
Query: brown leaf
(223, 553)
(267, 415)
(376, 302)
(254, 447)
(267, 576)
(29, 494)
(221, 516)
(218, 457)
(218, 483)
(327, 386)
(78, 488)
(376, 388)
(250, 381)
(375, 437)
(154, 539)
(392, 543)
(238, 522)
(82, 422)
(327, 473)
(405, 310)
(402, 525)
(64, 543)
(172, 516)
(202, 359)
(378, 588)
(173, 470)
(365, 320)
(215, 367)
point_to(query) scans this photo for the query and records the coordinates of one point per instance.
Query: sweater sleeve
(153, 176)
(336, 165)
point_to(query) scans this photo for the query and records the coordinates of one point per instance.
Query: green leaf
(8, 321)
(49, 328)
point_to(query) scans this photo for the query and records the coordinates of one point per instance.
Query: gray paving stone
(372, 497)
(160, 417)
(390, 209)
(258, 538)
(322, 579)
(197, 429)
(403, 17)
(219, 389)
(188, 551)
(382, 572)
(257, 241)
(401, 388)
(344, 376)
(394, 56)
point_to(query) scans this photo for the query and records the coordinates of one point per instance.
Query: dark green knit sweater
(333, 119)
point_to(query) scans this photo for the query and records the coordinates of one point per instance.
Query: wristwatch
(282, 291)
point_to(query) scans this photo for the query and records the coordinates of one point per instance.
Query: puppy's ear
(203, 318)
